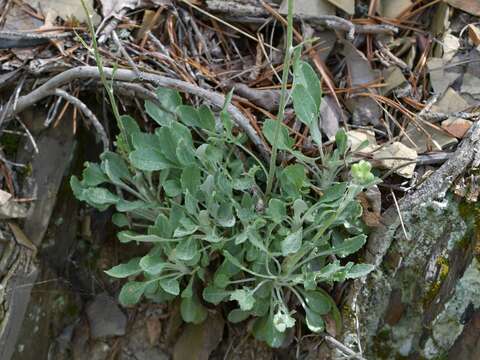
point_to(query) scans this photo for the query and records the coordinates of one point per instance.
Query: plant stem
(103, 78)
(283, 99)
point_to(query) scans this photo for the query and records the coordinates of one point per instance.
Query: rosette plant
(221, 225)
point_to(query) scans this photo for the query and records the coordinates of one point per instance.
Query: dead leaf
(65, 9)
(457, 127)
(393, 9)
(397, 157)
(469, 6)
(346, 5)
(330, 116)
(474, 34)
(4, 197)
(364, 109)
(309, 7)
(411, 56)
(148, 22)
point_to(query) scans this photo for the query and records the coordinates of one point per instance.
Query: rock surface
(105, 317)
(198, 341)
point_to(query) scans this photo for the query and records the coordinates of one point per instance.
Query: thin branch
(125, 54)
(399, 215)
(88, 114)
(9, 34)
(91, 72)
(29, 135)
(346, 350)
(11, 163)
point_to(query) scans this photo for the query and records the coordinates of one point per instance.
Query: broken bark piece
(397, 157)
(18, 274)
(457, 127)
(55, 151)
